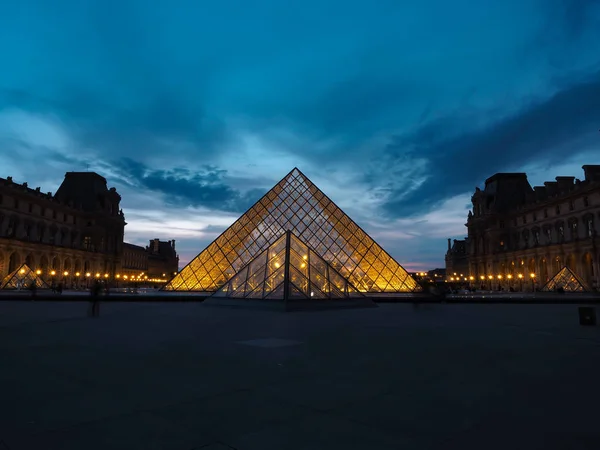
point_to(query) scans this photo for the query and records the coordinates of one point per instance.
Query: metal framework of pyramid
(567, 280)
(297, 205)
(22, 279)
(288, 269)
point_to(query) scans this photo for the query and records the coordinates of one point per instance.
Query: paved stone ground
(185, 376)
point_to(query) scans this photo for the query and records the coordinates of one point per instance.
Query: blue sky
(397, 110)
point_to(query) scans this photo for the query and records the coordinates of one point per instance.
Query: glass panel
(299, 280)
(316, 293)
(276, 293)
(296, 204)
(299, 263)
(565, 279)
(296, 293)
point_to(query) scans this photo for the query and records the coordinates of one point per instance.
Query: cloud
(394, 109)
(204, 187)
(549, 129)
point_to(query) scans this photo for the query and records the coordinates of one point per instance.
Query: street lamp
(520, 281)
(532, 275)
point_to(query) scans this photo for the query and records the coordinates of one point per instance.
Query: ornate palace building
(519, 236)
(77, 230)
(73, 235)
(156, 262)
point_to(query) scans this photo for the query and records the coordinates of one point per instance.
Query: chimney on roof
(449, 244)
(592, 172)
(565, 184)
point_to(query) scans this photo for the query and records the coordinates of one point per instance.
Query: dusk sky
(395, 109)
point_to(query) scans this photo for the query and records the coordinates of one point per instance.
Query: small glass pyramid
(22, 279)
(567, 280)
(288, 269)
(296, 204)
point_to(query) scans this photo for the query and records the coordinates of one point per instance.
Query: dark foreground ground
(186, 376)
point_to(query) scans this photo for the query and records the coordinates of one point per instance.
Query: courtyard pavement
(186, 376)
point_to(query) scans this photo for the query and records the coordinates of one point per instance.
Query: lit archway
(543, 268)
(30, 261)
(557, 264)
(571, 262)
(14, 262)
(44, 266)
(531, 266)
(587, 272)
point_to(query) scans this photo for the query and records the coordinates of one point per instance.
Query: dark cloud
(542, 131)
(578, 15)
(204, 187)
(146, 127)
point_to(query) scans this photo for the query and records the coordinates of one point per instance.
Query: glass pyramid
(567, 280)
(288, 269)
(297, 205)
(22, 279)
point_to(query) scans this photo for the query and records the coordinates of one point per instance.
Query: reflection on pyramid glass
(296, 204)
(22, 278)
(288, 269)
(567, 280)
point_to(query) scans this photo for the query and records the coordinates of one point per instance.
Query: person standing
(95, 293)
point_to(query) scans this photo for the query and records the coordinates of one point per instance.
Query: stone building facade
(521, 236)
(163, 261)
(457, 261)
(156, 262)
(135, 260)
(75, 234)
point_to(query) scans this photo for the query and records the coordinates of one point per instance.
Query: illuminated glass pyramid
(297, 205)
(22, 279)
(567, 280)
(288, 269)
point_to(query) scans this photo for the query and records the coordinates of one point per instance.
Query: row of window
(43, 234)
(557, 211)
(32, 208)
(545, 235)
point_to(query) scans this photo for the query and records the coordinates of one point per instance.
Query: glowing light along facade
(288, 269)
(567, 280)
(22, 279)
(297, 205)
